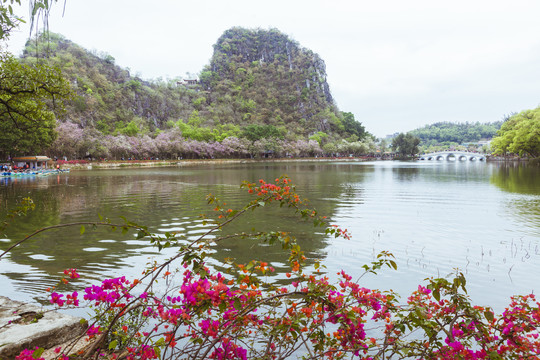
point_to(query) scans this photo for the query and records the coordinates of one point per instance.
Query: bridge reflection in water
(452, 156)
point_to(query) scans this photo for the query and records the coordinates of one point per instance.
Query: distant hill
(456, 133)
(259, 84)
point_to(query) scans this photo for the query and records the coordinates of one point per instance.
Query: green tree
(30, 98)
(329, 149)
(383, 145)
(30, 95)
(406, 144)
(256, 132)
(39, 9)
(8, 19)
(131, 129)
(319, 137)
(352, 126)
(520, 134)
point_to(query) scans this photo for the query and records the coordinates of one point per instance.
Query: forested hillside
(262, 93)
(456, 133)
(107, 97)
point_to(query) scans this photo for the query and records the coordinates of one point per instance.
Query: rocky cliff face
(276, 73)
(260, 47)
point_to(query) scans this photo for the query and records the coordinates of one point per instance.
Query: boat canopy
(31, 158)
(35, 162)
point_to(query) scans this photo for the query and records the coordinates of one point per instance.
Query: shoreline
(116, 164)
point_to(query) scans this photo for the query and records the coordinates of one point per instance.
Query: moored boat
(42, 172)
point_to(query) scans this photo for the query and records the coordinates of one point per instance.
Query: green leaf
(489, 315)
(222, 306)
(37, 353)
(436, 294)
(419, 313)
(261, 203)
(237, 304)
(82, 229)
(113, 344)
(494, 356)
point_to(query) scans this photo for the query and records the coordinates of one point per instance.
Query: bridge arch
(453, 156)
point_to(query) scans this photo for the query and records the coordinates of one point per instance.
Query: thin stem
(64, 226)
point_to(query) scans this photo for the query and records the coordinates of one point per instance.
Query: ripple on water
(144, 250)
(94, 249)
(196, 232)
(41, 257)
(17, 279)
(136, 242)
(172, 229)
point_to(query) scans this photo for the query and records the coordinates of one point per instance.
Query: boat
(26, 166)
(26, 173)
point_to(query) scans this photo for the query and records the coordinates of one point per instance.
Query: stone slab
(25, 326)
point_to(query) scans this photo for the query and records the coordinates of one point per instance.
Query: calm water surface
(434, 217)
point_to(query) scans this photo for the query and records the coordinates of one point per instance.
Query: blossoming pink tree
(240, 314)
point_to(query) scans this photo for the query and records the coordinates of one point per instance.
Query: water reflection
(432, 216)
(517, 177)
(164, 200)
(406, 173)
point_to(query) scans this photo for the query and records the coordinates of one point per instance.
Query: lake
(483, 218)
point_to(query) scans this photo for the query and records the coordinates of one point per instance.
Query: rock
(26, 326)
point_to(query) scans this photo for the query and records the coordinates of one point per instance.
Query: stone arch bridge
(453, 156)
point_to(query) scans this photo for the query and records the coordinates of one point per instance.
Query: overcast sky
(396, 65)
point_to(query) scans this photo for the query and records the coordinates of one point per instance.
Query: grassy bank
(115, 164)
